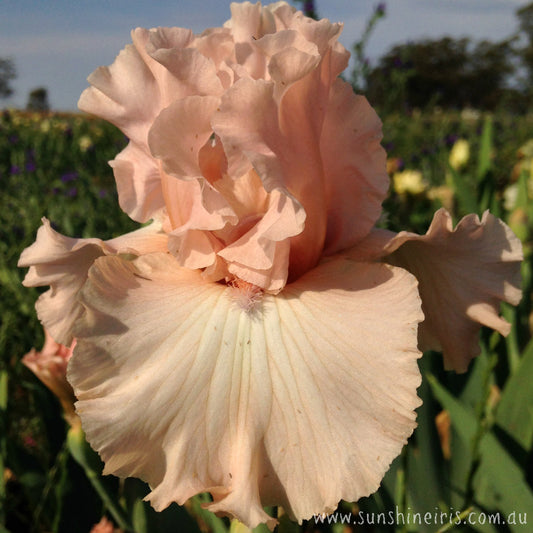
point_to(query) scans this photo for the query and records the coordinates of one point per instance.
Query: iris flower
(259, 338)
(50, 366)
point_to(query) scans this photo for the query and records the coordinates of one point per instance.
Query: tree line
(457, 73)
(448, 72)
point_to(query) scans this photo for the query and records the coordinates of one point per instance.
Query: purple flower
(102, 193)
(69, 176)
(381, 8)
(450, 139)
(15, 169)
(72, 192)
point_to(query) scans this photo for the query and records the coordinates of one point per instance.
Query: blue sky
(58, 43)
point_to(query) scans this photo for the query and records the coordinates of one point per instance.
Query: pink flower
(104, 526)
(236, 135)
(50, 366)
(259, 340)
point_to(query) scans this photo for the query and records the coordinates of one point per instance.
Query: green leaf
(515, 410)
(3, 390)
(286, 525)
(139, 518)
(465, 191)
(522, 198)
(424, 475)
(499, 482)
(484, 161)
(213, 522)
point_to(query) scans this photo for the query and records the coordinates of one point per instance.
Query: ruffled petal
(181, 71)
(289, 55)
(250, 21)
(354, 167)
(261, 255)
(138, 182)
(299, 399)
(179, 132)
(63, 262)
(146, 77)
(216, 44)
(287, 126)
(464, 274)
(125, 93)
(250, 127)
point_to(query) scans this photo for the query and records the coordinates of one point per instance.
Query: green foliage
(7, 74)
(38, 100)
(525, 18)
(448, 72)
(477, 466)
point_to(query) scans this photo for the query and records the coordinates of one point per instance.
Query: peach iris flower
(258, 340)
(50, 366)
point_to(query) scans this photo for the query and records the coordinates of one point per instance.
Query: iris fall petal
(302, 398)
(464, 274)
(63, 262)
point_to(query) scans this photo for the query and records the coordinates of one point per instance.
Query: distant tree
(7, 74)
(490, 68)
(451, 73)
(38, 100)
(525, 21)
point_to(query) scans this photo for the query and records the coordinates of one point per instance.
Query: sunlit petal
(464, 275)
(302, 398)
(62, 262)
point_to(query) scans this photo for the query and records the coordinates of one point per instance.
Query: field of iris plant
(468, 465)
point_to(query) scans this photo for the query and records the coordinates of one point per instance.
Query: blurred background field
(473, 449)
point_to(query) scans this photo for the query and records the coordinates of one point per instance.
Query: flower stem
(91, 464)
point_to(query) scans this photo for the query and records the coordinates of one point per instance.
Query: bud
(50, 366)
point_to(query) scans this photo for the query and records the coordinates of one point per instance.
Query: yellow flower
(443, 194)
(459, 154)
(409, 182)
(85, 143)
